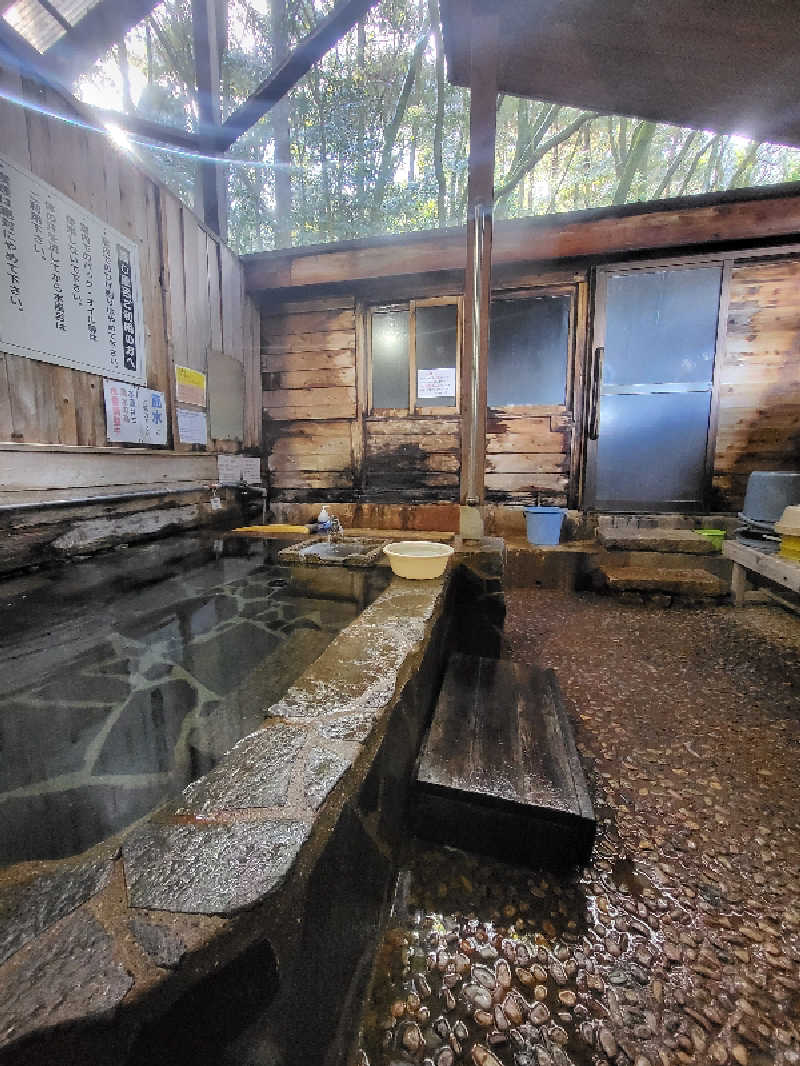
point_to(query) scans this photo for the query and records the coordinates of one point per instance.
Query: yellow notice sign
(190, 386)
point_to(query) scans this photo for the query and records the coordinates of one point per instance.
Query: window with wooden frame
(415, 357)
(530, 348)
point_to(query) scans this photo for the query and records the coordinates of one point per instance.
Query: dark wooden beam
(100, 28)
(330, 30)
(701, 222)
(16, 53)
(210, 194)
(54, 13)
(148, 130)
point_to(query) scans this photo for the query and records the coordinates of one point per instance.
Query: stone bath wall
(244, 915)
(41, 535)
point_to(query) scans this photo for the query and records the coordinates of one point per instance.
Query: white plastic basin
(418, 559)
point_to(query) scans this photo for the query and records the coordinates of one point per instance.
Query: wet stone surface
(49, 988)
(680, 942)
(29, 908)
(256, 773)
(323, 770)
(209, 870)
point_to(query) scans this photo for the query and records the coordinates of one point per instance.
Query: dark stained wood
(724, 65)
(498, 771)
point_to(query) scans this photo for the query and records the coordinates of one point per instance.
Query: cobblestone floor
(680, 943)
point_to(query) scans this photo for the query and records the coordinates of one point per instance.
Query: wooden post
(211, 192)
(480, 203)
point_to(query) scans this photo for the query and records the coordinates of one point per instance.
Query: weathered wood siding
(413, 458)
(759, 379)
(193, 287)
(308, 373)
(527, 454)
(317, 437)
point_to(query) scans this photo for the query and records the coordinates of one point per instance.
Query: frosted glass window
(437, 347)
(528, 345)
(390, 359)
(661, 325)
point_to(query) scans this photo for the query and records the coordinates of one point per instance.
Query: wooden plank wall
(308, 373)
(193, 287)
(527, 455)
(316, 433)
(759, 380)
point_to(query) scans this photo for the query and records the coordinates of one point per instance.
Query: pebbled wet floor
(680, 943)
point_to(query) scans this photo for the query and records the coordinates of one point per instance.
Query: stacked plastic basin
(789, 529)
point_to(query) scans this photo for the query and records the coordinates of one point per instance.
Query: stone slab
(693, 583)
(68, 975)
(216, 869)
(322, 772)
(161, 945)
(255, 773)
(27, 909)
(656, 540)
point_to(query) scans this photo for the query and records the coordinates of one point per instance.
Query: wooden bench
(498, 772)
(773, 567)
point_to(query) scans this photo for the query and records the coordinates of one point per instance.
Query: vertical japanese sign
(134, 415)
(70, 289)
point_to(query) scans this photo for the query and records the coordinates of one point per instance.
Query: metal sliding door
(650, 387)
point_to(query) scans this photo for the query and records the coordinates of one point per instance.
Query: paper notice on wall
(231, 469)
(134, 415)
(70, 291)
(190, 386)
(440, 381)
(192, 427)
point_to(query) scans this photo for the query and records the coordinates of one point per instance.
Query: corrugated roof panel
(73, 10)
(32, 22)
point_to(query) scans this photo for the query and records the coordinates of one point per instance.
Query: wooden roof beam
(283, 79)
(211, 190)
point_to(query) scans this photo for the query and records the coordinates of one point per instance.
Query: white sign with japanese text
(192, 426)
(135, 415)
(70, 289)
(231, 469)
(440, 381)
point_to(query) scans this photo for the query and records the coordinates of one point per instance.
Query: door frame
(597, 311)
(575, 287)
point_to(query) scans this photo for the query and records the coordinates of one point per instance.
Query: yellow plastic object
(790, 547)
(275, 528)
(418, 559)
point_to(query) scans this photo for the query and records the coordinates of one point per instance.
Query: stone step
(691, 583)
(685, 541)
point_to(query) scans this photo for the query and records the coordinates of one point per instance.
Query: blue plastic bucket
(544, 524)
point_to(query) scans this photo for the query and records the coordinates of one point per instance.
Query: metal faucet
(335, 534)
